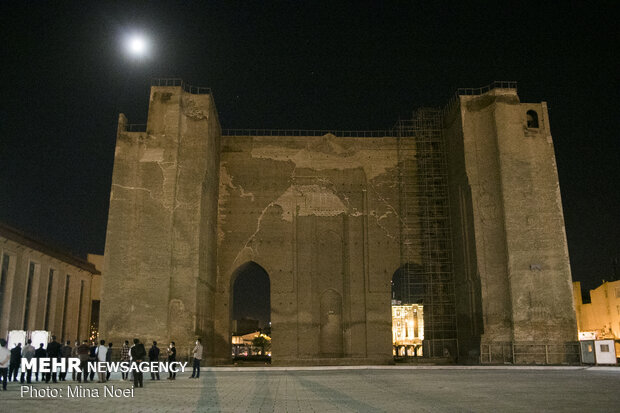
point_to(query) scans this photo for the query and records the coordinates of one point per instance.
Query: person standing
(65, 353)
(28, 353)
(92, 358)
(83, 352)
(5, 358)
(138, 353)
(53, 352)
(125, 358)
(74, 354)
(16, 359)
(197, 354)
(102, 355)
(108, 358)
(39, 353)
(154, 357)
(172, 356)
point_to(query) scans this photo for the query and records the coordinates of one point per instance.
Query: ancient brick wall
(322, 215)
(153, 242)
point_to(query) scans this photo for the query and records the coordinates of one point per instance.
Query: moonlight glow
(137, 45)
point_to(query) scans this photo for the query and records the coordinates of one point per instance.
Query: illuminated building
(44, 289)
(243, 345)
(602, 315)
(407, 329)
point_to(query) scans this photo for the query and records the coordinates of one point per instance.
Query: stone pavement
(365, 389)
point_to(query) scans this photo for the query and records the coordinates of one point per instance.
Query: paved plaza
(365, 389)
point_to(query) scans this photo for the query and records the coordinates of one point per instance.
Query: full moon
(137, 45)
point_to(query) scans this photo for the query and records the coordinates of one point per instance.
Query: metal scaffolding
(425, 275)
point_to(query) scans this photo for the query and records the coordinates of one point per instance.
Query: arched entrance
(250, 313)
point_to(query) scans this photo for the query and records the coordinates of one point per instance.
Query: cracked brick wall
(157, 239)
(321, 215)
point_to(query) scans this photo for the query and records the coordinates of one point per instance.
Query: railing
(167, 81)
(302, 132)
(530, 353)
(497, 84)
(452, 102)
(177, 82)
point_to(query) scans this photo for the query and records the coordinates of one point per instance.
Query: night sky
(305, 65)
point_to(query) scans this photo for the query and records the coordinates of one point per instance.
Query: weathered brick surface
(321, 215)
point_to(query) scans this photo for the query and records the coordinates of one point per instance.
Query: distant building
(243, 345)
(407, 329)
(602, 316)
(44, 288)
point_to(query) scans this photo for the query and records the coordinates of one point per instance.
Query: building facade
(42, 288)
(602, 315)
(460, 206)
(407, 329)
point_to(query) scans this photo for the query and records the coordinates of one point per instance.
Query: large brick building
(457, 209)
(44, 288)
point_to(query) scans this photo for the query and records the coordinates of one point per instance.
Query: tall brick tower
(160, 242)
(512, 271)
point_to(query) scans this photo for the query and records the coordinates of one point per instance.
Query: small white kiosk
(17, 336)
(598, 352)
(605, 352)
(38, 337)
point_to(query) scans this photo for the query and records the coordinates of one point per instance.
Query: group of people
(10, 361)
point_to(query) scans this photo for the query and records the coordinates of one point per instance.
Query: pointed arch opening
(251, 313)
